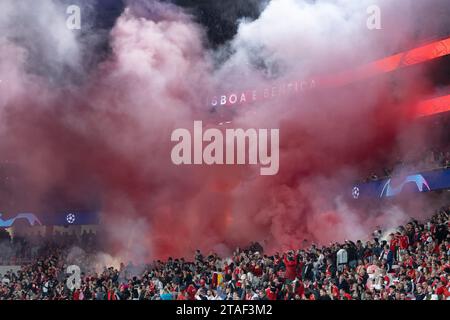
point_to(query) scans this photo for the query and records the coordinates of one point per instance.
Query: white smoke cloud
(298, 38)
(40, 27)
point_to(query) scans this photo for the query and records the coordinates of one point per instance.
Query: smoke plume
(90, 113)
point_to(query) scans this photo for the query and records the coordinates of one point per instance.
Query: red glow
(433, 106)
(404, 59)
(392, 63)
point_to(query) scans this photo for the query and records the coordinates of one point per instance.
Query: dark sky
(219, 17)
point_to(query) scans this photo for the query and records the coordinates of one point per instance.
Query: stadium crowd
(433, 155)
(25, 249)
(411, 264)
(421, 161)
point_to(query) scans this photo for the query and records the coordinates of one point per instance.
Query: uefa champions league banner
(54, 219)
(426, 181)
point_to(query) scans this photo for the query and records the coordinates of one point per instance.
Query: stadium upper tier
(425, 53)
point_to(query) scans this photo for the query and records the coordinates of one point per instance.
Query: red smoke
(110, 137)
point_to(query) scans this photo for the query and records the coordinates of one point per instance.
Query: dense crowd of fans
(421, 161)
(411, 264)
(432, 155)
(21, 249)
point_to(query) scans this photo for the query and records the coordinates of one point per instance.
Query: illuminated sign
(433, 106)
(53, 219)
(389, 190)
(416, 183)
(254, 95)
(29, 217)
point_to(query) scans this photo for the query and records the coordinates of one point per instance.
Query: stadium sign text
(250, 96)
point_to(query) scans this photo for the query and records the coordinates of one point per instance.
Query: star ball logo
(70, 218)
(355, 193)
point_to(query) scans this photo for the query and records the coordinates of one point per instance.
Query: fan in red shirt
(111, 295)
(271, 293)
(344, 295)
(76, 295)
(404, 241)
(290, 261)
(256, 269)
(226, 268)
(191, 290)
(437, 249)
(299, 288)
(393, 243)
(411, 273)
(182, 295)
(335, 291)
(442, 290)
